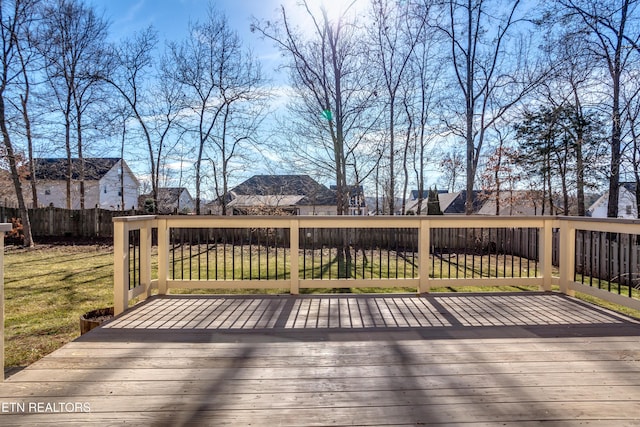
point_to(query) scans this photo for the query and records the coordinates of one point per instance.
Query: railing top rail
(134, 218)
(5, 227)
(599, 220)
(347, 220)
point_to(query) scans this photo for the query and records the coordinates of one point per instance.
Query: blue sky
(171, 17)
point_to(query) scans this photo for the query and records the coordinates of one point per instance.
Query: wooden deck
(449, 359)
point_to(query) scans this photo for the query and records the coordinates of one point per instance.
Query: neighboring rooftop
(313, 192)
(55, 169)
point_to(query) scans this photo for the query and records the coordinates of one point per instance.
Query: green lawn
(49, 288)
(46, 292)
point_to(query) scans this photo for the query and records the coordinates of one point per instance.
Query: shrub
(16, 235)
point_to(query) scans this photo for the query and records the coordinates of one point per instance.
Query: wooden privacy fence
(59, 222)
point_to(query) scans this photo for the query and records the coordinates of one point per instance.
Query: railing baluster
(629, 271)
(259, 261)
(207, 252)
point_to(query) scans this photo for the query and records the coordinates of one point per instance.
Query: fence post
(163, 256)
(424, 236)
(3, 228)
(50, 211)
(96, 221)
(120, 266)
(294, 249)
(545, 253)
(567, 256)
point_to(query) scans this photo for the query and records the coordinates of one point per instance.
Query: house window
(628, 209)
(119, 193)
(105, 189)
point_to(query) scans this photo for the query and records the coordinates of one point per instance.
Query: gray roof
(457, 205)
(630, 186)
(313, 192)
(255, 201)
(55, 169)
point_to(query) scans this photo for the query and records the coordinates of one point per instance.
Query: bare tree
(329, 76)
(631, 97)
(72, 42)
(15, 18)
(131, 60)
(490, 70)
(26, 52)
(223, 86)
(423, 87)
(613, 37)
(395, 33)
(452, 168)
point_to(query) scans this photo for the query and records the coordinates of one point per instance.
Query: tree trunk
(81, 158)
(15, 176)
(67, 142)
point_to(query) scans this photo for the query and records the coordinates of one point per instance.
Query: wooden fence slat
(60, 222)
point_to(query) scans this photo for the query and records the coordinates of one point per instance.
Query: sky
(171, 19)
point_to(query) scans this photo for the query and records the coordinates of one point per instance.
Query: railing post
(120, 267)
(3, 228)
(163, 256)
(567, 256)
(424, 236)
(294, 250)
(145, 259)
(545, 253)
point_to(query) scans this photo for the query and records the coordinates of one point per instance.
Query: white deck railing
(3, 228)
(140, 269)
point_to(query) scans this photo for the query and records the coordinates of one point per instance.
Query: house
(512, 202)
(108, 183)
(357, 200)
(450, 203)
(8, 192)
(279, 194)
(627, 207)
(171, 200)
(444, 198)
(515, 202)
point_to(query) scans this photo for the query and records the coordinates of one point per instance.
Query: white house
(171, 200)
(627, 207)
(104, 183)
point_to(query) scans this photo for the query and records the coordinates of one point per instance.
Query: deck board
(508, 359)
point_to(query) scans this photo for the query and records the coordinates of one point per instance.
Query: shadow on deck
(191, 318)
(456, 359)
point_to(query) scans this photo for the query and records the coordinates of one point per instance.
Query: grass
(49, 288)
(46, 292)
